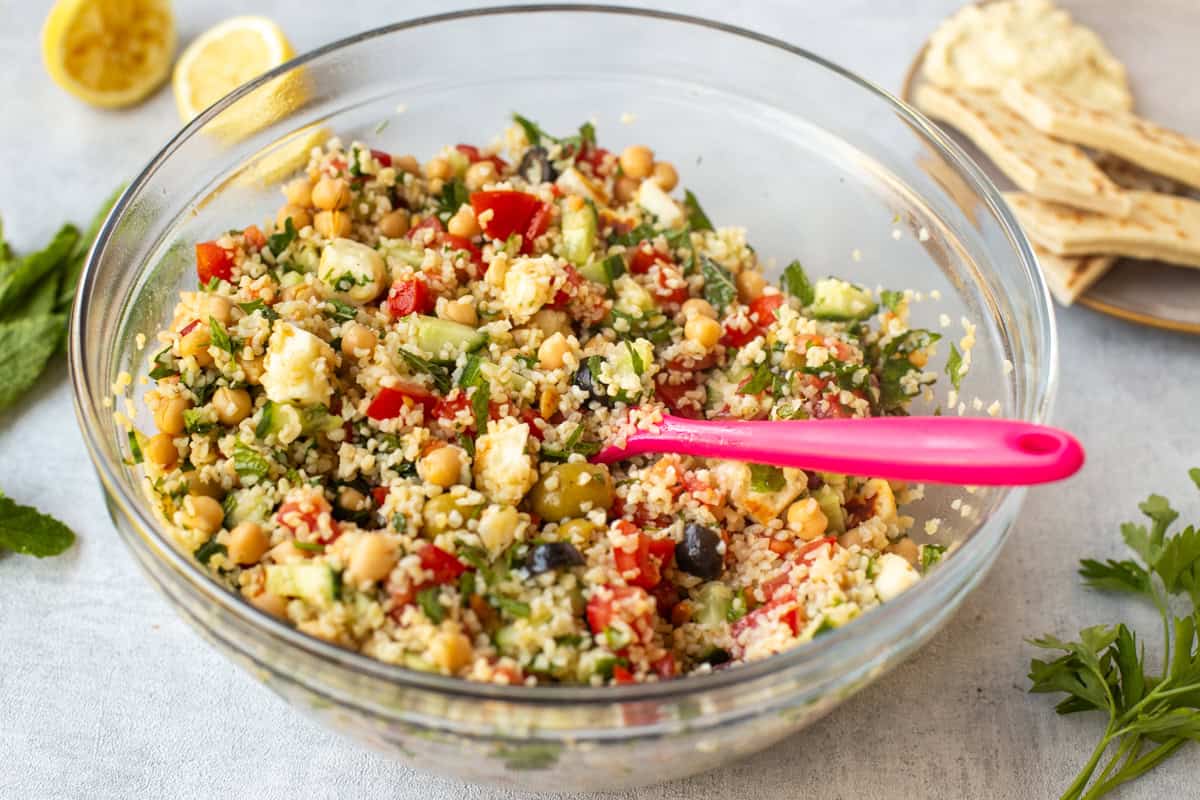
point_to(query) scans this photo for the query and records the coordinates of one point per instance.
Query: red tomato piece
(186, 329)
(665, 667)
(254, 237)
(644, 257)
(213, 261)
(669, 286)
(474, 156)
(447, 410)
(300, 516)
(430, 223)
(643, 567)
(573, 281)
(390, 400)
(409, 296)
(384, 159)
(462, 243)
(622, 675)
(379, 494)
(512, 212)
(601, 607)
(538, 224)
(445, 567)
(808, 553)
(764, 308)
(735, 337)
(672, 395)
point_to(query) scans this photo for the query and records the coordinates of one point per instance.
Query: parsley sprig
(1150, 716)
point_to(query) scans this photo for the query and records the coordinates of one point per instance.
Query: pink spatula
(971, 451)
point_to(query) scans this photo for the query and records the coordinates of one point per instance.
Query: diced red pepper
(596, 157)
(511, 212)
(391, 400)
(384, 159)
(644, 257)
(254, 237)
(538, 224)
(736, 337)
(643, 567)
(791, 615)
(297, 516)
(379, 494)
(186, 329)
(665, 667)
(213, 261)
(601, 610)
(808, 553)
(430, 223)
(669, 286)
(474, 156)
(622, 675)
(409, 296)
(764, 308)
(462, 243)
(445, 567)
(573, 281)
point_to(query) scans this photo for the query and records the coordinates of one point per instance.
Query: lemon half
(109, 53)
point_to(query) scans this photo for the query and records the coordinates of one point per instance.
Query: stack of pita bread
(1083, 209)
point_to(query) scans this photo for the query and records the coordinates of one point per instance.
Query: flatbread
(1045, 168)
(1131, 176)
(1127, 135)
(984, 45)
(1070, 276)
(1161, 227)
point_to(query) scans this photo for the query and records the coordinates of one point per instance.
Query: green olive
(202, 488)
(438, 509)
(563, 492)
(578, 532)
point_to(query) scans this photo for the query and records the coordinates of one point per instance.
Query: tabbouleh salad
(375, 416)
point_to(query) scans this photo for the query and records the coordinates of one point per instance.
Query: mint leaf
(439, 374)
(765, 478)
(248, 462)
(34, 267)
(796, 283)
(954, 367)
(891, 300)
(696, 218)
(261, 307)
(24, 529)
(278, 242)
(533, 132)
(25, 347)
(221, 337)
(718, 284)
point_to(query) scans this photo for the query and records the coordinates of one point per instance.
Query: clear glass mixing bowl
(817, 163)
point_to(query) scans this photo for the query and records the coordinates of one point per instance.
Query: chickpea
(851, 538)
(168, 417)
(272, 604)
(331, 194)
(463, 223)
(198, 486)
(351, 499)
(450, 652)
(750, 284)
(332, 224)
(637, 161)
(441, 467)
(301, 291)
(907, 549)
(563, 491)
(806, 518)
(703, 331)
(394, 224)
(548, 402)
(919, 358)
(358, 339)
(195, 344)
(203, 513)
(407, 163)
(161, 451)
(698, 307)
(665, 175)
(247, 543)
(551, 321)
(298, 192)
(217, 307)
(438, 168)
(232, 405)
(480, 174)
(252, 368)
(461, 311)
(626, 188)
(553, 351)
(300, 217)
(372, 558)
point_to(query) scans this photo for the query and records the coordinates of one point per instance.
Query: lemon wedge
(109, 53)
(225, 57)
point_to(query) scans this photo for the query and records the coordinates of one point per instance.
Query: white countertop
(104, 692)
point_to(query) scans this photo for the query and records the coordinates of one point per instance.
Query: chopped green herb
(796, 283)
(635, 359)
(399, 523)
(221, 337)
(931, 554)
(206, 551)
(308, 547)
(471, 374)
(514, 608)
(454, 195)
(342, 312)
(266, 421)
(135, 447)
(891, 300)
(765, 478)
(762, 378)
(250, 463)
(24, 529)
(954, 367)
(439, 374)
(718, 284)
(481, 399)
(261, 307)
(278, 242)
(428, 600)
(195, 420)
(573, 444)
(533, 131)
(696, 218)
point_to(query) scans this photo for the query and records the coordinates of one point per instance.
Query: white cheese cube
(297, 367)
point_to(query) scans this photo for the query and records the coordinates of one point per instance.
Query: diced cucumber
(459, 161)
(604, 271)
(831, 506)
(444, 339)
(837, 300)
(712, 604)
(246, 505)
(624, 367)
(403, 249)
(631, 298)
(506, 639)
(617, 638)
(514, 379)
(578, 233)
(313, 583)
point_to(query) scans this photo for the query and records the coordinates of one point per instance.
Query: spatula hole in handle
(1038, 444)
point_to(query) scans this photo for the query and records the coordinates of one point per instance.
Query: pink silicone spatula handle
(970, 451)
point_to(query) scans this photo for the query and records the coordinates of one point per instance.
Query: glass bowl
(817, 163)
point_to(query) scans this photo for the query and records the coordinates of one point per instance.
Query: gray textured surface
(104, 693)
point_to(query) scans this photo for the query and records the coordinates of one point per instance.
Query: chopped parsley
(221, 337)
(260, 307)
(697, 220)
(278, 242)
(718, 284)
(439, 374)
(955, 368)
(206, 551)
(796, 283)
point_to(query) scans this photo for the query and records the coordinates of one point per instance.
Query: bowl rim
(834, 642)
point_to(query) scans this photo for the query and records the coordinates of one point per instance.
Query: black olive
(716, 657)
(553, 555)
(814, 481)
(535, 166)
(585, 379)
(699, 553)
